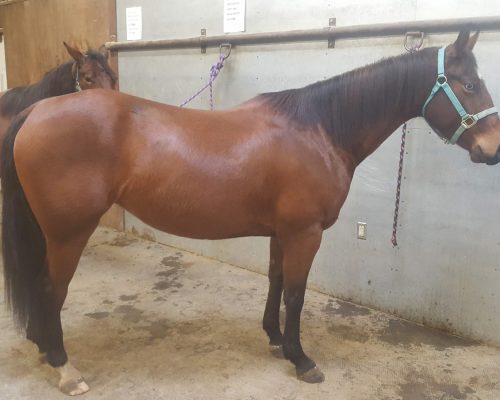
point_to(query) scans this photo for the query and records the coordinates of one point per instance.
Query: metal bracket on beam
(332, 22)
(203, 38)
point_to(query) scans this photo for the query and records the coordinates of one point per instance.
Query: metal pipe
(329, 33)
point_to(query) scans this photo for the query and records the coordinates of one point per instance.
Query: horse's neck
(57, 82)
(396, 91)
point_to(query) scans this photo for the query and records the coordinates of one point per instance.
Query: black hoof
(314, 375)
(276, 351)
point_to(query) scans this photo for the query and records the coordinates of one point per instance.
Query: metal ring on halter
(227, 51)
(441, 80)
(418, 44)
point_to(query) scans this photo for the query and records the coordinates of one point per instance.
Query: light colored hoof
(276, 351)
(71, 382)
(314, 375)
(74, 388)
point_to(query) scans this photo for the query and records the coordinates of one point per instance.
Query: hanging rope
(225, 51)
(394, 239)
(411, 48)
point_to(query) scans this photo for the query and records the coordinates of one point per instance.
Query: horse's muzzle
(496, 159)
(477, 155)
(493, 160)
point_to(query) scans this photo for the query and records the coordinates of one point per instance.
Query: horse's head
(92, 69)
(459, 107)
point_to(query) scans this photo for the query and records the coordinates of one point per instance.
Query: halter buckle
(469, 121)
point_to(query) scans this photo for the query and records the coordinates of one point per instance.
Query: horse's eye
(469, 86)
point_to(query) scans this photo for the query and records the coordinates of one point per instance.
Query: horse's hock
(147, 321)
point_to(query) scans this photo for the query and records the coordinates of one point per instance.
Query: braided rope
(394, 238)
(214, 72)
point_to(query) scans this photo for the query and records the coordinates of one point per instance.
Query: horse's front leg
(271, 320)
(299, 249)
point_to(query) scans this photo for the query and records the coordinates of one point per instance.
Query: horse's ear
(104, 51)
(461, 42)
(472, 40)
(74, 53)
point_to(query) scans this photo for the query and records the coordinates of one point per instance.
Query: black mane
(346, 103)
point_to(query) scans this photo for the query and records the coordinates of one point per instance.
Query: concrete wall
(446, 271)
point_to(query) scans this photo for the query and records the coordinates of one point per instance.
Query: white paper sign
(134, 23)
(234, 16)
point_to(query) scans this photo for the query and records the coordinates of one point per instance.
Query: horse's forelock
(101, 59)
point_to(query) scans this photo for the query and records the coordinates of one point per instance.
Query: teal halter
(468, 120)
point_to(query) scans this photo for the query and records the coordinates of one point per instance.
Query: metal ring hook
(419, 41)
(225, 49)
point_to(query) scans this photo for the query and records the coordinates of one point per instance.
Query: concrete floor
(146, 321)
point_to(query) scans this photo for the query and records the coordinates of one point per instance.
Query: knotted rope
(214, 72)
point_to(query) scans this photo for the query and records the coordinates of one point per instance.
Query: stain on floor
(122, 241)
(125, 297)
(401, 332)
(158, 329)
(169, 278)
(425, 387)
(129, 313)
(345, 309)
(348, 332)
(98, 315)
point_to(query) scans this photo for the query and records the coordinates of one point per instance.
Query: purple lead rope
(214, 72)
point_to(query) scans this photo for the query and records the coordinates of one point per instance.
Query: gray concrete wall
(446, 271)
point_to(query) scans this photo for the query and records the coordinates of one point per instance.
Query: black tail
(24, 260)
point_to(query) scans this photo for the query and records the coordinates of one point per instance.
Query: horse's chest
(334, 197)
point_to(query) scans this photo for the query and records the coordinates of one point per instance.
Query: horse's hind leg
(271, 323)
(62, 260)
(299, 250)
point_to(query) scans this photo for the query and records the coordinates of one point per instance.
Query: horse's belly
(200, 213)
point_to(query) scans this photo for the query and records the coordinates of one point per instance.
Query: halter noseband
(468, 120)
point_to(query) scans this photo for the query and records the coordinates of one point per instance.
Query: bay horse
(279, 165)
(89, 70)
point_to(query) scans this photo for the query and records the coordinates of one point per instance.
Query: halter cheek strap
(77, 80)
(468, 120)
